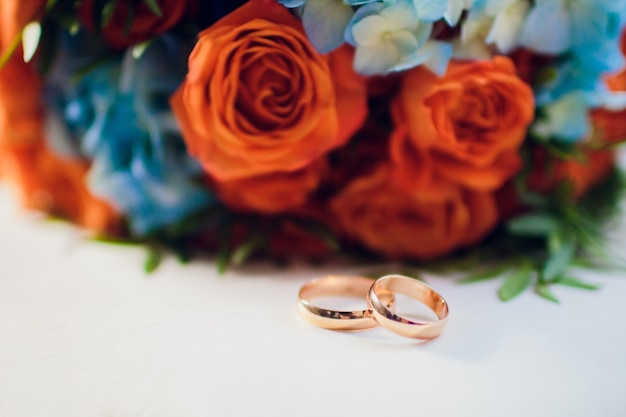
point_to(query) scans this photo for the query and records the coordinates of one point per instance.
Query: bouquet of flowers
(410, 130)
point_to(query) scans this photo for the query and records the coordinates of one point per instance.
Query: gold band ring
(339, 286)
(400, 284)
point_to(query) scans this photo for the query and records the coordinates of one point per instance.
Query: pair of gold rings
(380, 296)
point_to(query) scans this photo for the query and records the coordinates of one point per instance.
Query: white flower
(497, 23)
(389, 38)
(455, 9)
(507, 25)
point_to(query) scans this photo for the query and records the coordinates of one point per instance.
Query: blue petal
(140, 163)
(566, 119)
(430, 10)
(361, 13)
(547, 28)
(325, 22)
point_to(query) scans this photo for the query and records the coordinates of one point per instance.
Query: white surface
(83, 332)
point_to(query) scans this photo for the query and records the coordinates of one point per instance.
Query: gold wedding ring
(400, 284)
(338, 286)
(380, 296)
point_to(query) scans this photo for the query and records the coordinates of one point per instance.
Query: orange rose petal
(273, 193)
(415, 165)
(485, 178)
(486, 216)
(14, 15)
(48, 183)
(417, 116)
(21, 110)
(351, 91)
(610, 127)
(549, 171)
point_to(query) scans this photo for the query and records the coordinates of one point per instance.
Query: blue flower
(389, 35)
(566, 102)
(395, 37)
(583, 35)
(588, 30)
(120, 118)
(565, 119)
(325, 21)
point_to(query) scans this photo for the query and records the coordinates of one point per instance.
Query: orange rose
(259, 99)
(547, 173)
(44, 181)
(50, 184)
(21, 110)
(146, 23)
(583, 175)
(609, 126)
(14, 15)
(383, 216)
(273, 193)
(467, 125)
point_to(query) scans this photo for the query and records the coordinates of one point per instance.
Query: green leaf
(533, 225)
(8, 53)
(247, 248)
(603, 200)
(139, 49)
(533, 199)
(224, 239)
(546, 75)
(486, 274)
(223, 258)
(30, 40)
(564, 151)
(129, 21)
(152, 4)
(564, 192)
(555, 240)
(50, 4)
(115, 241)
(544, 291)
(576, 283)
(74, 28)
(107, 12)
(319, 231)
(155, 256)
(515, 284)
(558, 261)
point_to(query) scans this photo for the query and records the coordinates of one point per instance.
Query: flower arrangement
(412, 130)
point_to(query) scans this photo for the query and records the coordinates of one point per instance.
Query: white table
(84, 332)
